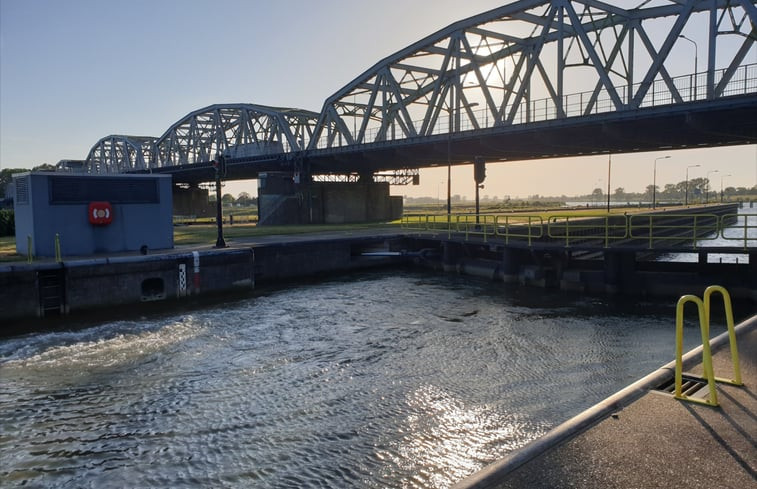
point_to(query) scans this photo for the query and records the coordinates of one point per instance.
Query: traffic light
(479, 169)
(219, 163)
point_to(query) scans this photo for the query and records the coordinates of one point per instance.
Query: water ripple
(375, 381)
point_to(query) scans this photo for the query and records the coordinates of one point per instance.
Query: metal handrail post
(704, 328)
(731, 331)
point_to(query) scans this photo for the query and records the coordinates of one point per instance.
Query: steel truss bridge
(531, 79)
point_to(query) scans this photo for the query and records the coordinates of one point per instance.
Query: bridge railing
(641, 231)
(688, 88)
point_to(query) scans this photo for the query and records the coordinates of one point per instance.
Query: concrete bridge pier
(509, 269)
(293, 198)
(451, 253)
(619, 271)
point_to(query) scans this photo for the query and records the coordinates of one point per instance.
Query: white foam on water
(106, 353)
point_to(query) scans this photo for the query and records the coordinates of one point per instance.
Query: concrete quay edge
(494, 474)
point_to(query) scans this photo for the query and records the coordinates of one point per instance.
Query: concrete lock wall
(283, 200)
(139, 213)
(358, 202)
(192, 201)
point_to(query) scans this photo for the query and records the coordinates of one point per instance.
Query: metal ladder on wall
(52, 292)
(703, 308)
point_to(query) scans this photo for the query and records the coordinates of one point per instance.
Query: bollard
(57, 248)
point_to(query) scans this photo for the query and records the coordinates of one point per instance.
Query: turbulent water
(386, 379)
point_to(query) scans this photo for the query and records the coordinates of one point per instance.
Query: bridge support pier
(512, 259)
(450, 256)
(285, 198)
(619, 271)
(192, 201)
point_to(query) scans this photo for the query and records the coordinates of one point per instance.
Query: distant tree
(227, 199)
(670, 191)
(6, 177)
(244, 198)
(44, 167)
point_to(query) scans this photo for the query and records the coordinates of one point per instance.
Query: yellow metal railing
(519, 227)
(703, 309)
(569, 228)
(607, 229)
(736, 380)
(29, 250)
(58, 257)
(741, 230)
(485, 226)
(700, 227)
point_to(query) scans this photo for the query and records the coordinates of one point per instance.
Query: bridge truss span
(120, 154)
(236, 131)
(548, 60)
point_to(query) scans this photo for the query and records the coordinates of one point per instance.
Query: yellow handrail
(731, 331)
(703, 307)
(704, 327)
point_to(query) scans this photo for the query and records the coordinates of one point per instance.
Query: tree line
(699, 190)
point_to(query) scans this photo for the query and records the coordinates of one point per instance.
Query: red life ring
(100, 213)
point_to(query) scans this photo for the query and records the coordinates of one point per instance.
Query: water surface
(385, 379)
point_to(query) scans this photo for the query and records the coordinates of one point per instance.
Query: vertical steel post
(220, 242)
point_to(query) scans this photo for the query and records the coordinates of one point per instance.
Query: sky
(72, 72)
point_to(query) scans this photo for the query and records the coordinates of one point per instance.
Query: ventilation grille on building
(22, 190)
(80, 190)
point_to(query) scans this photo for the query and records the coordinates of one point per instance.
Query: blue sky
(74, 71)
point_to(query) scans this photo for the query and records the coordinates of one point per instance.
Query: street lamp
(721, 186)
(654, 181)
(707, 192)
(450, 111)
(686, 197)
(696, 62)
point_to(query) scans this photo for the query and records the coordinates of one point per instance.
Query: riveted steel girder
(120, 154)
(236, 131)
(532, 61)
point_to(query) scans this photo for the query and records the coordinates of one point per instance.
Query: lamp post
(707, 192)
(686, 197)
(696, 62)
(451, 111)
(609, 168)
(220, 170)
(721, 186)
(654, 181)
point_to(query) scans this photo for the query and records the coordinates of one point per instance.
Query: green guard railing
(608, 230)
